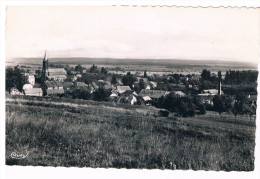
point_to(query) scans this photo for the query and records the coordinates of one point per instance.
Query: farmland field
(78, 133)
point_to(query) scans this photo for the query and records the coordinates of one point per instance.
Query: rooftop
(152, 93)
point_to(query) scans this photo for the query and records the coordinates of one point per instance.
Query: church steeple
(45, 56)
(44, 67)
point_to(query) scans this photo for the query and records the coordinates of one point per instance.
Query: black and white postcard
(131, 87)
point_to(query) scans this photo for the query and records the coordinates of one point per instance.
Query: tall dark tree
(222, 103)
(219, 76)
(242, 105)
(113, 80)
(205, 75)
(103, 70)
(235, 110)
(141, 84)
(79, 68)
(202, 109)
(145, 75)
(93, 69)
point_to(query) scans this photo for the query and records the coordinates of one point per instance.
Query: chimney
(219, 88)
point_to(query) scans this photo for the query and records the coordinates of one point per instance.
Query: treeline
(92, 69)
(238, 77)
(181, 106)
(250, 88)
(188, 106)
(100, 94)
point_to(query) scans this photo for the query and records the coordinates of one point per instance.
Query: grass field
(91, 134)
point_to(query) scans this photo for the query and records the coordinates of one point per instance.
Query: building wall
(31, 80)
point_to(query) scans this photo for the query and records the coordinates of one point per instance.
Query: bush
(163, 113)
(101, 94)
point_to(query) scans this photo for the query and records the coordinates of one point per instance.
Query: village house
(67, 86)
(81, 85)
(94, 85)
(147, 86)
(33, 92)
(78, 76)
(127, 98)
(53, 88)
(210, 92)
(113, 95)
(142, 79)
(71, 78)
(30, 77)
(153, 94)
(109, 87)
(122, 89)
(146, 100)
(153, 84)
(27, 86)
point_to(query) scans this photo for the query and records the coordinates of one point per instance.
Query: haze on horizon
(230, 34)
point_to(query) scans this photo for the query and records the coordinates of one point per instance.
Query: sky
(133, 32)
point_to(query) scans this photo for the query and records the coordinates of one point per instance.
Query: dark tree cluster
(238, 77)
(113, 80)
(205, 75)
(129, 79)
(15, 79)
(79, 68)
(222, 103)
(93, 69)
(243, 106)
(174, 78)
(81, 94)
(250, 88)
(182, 106)
(91, 77)
(101, 94)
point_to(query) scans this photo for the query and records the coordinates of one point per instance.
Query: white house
(31, 79)
(27, 86)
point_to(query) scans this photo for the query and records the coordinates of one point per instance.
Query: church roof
(56, 71)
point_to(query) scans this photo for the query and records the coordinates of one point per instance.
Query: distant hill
(167, 63)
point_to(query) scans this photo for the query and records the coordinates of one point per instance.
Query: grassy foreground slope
(103, 136)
